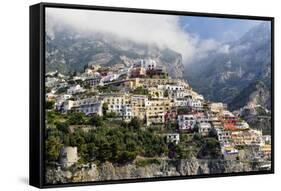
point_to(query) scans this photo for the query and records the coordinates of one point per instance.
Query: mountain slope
(221, 76)
(253, 95)
(68, 51)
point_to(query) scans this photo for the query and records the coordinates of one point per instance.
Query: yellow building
(156, 109)
(139, 103)
(266, 150)
(132, 83)
(247, 137)
(155, 92)
(116, 102)
(151, 82)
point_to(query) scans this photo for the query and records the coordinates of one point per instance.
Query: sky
(191, 36)
(219, 29)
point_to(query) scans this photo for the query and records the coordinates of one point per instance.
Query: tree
(76, 119)
(135, 123)
(53, 146)
(104, 108)
(50, 104)
(63, 127)
(96, 121)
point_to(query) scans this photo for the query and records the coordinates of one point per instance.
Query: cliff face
(256, 94)
(67, 51)
(221, 76)
(108, 171)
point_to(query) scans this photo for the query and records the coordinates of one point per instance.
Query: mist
(162, 30)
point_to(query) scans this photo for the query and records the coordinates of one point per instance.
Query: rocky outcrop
(69, 52)
(108, 171)
(256, 94)
(221, 76)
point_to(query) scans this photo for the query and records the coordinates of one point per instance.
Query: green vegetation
(107, 89)
(105, 143)
(104, 108)
(117, 141)
(149, 161)
(210, 149)
(141, 91)
(50, 104)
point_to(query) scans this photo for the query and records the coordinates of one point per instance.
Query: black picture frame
(37, 94)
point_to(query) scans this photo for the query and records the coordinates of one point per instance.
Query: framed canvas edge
(40, 106)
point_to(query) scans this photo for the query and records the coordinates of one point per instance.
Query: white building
(182, 102)
(75, 89)
(173, 138)
(92, 108)
(109, 78)
(148, 64)
(67, 106)
(127, 112)
(61, 99)
(204, 128)
(171, 87)
(195, 103)
(93, 80)
(186, 122)
(224, 137)
(92, 105)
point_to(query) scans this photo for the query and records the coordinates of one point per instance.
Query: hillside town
(143, 89)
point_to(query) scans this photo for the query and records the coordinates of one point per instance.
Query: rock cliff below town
(166, 168)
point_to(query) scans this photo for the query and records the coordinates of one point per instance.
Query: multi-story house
(109, 78)
(195, 103)
(186, 121)
(182, 102)
(224, 137)
(75, 89)
(92, 105)
(127, 112)
(228, 120)
(204, 128)
(67, 106)
(173, 138)
(139, 104)
(116, 102)
(155, 92)
(154, 82)
(60, 100)
(93, 80)
(156, 109)
(148, 64)
(170, 117)
(249, 137)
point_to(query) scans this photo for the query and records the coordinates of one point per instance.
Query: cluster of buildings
(162, 101)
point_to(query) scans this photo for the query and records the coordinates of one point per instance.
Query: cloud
(163, 30)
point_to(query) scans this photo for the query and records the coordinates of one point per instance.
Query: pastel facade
(249, 137)
(186, 122)
(156, 109)
(139, 105)
(204, 128)
(116, 103)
